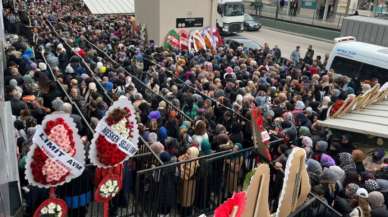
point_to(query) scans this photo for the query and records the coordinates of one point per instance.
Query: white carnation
(51, 206)
(44, 210)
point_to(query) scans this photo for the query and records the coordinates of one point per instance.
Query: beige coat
(187, 186)
(233, 167)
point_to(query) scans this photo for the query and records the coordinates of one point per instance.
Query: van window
(370, 71)
(354, 68)
(346, 66)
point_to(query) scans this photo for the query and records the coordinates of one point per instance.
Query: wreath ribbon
(54, 152)
(123, 144)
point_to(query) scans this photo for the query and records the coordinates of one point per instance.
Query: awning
(111, 6)
(365, 114)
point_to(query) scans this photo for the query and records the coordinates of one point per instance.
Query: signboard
(311, 4)
(189, 22)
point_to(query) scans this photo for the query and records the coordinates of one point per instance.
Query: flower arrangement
(120, 118)
(45, 170)
(337, 105)
(109, 153)
(52, 210)
(234, 206)
(53, 207)
(108, 188)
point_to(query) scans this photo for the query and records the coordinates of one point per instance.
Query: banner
(260, 135)
(54, 152)
(123, 144)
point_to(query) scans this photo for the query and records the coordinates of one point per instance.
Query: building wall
(160, 15)
(147, 12)
(172, 9)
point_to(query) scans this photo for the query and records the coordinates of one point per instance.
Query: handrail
(140, 81)
(198, 91)
(325, 204)
(91, 73)
(180, 80)
(104, 91)
(136, 78)
(313, 198)
(185, 161)
(305, 205)
(66, 94)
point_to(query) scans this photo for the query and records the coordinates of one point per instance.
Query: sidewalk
(299, 28)
(304, 16)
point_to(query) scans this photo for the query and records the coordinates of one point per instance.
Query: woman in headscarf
(188, 181)
(374, 162)
(358, 158)
(376, 201)
(157, 147)
(168, 181)
(233, 168)
(363, 209)
(329, 180)
(324, 107)
(346, 161)
(345, 203)
(200, 133)
(314, 169)
(184, 139)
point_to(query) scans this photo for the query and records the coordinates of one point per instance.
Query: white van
(358, 59)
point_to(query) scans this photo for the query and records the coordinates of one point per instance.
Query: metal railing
(315, 207)
(140, 83)
(191, 187)
(102, 89)
(309, 16)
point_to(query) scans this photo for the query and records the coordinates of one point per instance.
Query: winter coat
(357, 212)
(168, 187)
(187, 186)
(233, 168)
(342, 205)
(380, 212)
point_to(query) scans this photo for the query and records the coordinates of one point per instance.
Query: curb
(299, 34)
(301, 23)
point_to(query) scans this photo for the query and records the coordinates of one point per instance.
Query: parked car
(234, 42)
(250, 24)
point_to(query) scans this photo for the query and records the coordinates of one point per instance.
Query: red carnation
(336, 107)
(108, 153)
(39, 157)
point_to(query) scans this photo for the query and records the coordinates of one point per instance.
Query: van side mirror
(219, 9)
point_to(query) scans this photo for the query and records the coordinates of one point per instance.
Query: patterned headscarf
(371, 185)
(346, 161)
(193, 152)
(351, 189)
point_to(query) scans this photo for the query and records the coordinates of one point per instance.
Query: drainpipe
(347, 7)
(212, 14)
(326, 10)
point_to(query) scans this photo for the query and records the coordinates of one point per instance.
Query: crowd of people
(189, 104)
